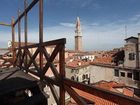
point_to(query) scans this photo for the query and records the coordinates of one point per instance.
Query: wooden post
(62, 74)
(25, 30)
(13, 41)
(41, 35)
(19, 39)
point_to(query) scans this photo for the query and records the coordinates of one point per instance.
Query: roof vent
(79, 63)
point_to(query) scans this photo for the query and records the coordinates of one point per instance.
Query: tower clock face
(9, 43)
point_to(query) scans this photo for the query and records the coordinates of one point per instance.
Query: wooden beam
(52, 80)
(13, 41)
(19, 37)
(25, 30)
(54, 92)
(41, 36)
(5, 24)
(45, 44)
(75, 96)
(50, 60)
(32, 59)
(102, 93)
(16, 59)
(62, 73)
(22, 57)
(33, 3)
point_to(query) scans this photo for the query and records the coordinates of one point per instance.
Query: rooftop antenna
(125, 31)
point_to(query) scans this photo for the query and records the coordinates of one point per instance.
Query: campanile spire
(78, 36)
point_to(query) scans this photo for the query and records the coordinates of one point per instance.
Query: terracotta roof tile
(128, 92)
(103, 60)
(77, 64)
(108, 86)
(94, 98)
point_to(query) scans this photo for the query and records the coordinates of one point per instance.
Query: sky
(103, 21)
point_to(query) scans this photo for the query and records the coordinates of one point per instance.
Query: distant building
(85, 56)
(78, 36)
(78, 70)
(128, 76)
(131, 52)
(4, 54)
(3, 51)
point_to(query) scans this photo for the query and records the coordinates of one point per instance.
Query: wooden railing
(33, 66)
(6, 61)
(59, 79)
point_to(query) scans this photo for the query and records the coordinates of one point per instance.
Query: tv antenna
(125, 31)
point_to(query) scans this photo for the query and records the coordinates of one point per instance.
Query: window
(84, 77)
(129, 75)
(116, 72)
(77, 79)
(136, 75)
(122, 74)
(72, 70)
(72, 77)
(77, 71)
(55, 65)
(131, 56)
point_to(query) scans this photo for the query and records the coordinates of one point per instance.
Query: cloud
(94, 24)
(75, 3)
(135, 17)
(99, 36)
(90, 4)
(86, 3)
(96, 36)
(67, 24)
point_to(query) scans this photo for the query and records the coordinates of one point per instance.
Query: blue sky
(103, 21)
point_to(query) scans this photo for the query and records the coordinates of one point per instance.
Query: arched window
(72, 77)
(84, 77)
(77, 79)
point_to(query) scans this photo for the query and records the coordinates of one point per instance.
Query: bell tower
(78, 36)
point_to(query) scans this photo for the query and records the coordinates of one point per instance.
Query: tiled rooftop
(96, 99)
(77, 64)
(103, 60)
(116, 87)
(112, 86)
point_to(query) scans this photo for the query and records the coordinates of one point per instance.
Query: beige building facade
(131, 53)
(130, 77)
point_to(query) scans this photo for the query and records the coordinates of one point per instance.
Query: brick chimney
(138, 53)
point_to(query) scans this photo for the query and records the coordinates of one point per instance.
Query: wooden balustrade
(61, 81)
(6, 61)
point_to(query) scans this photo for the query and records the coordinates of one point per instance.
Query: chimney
(138, 37)
(138, 52)
(79, 63)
